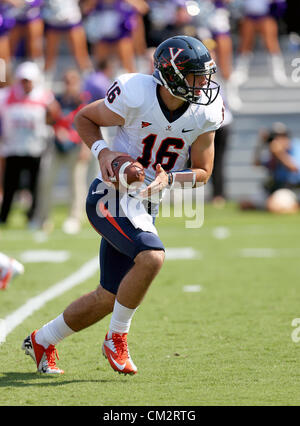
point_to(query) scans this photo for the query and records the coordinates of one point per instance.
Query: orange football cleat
(44, 358)
(115, 349)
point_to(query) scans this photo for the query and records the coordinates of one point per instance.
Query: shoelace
(120, 342)
(51, 352)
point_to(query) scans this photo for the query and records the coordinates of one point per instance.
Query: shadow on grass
(14, 379)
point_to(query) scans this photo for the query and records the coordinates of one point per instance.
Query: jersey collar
(171, 116)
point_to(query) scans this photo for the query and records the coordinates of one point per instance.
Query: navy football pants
(121, 241)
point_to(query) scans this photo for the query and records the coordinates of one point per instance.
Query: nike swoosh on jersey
(186, 131)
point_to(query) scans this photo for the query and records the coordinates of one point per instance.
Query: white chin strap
(165, 84)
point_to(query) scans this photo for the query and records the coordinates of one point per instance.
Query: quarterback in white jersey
(148, 134)
(162, 120)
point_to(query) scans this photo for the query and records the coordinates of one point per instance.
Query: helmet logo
(209, 64)
(174, 55)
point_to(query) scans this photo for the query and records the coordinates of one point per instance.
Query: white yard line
(269, 252)
(41, 256)
(8, 324)
(221, 233)
(16, 318)
(258, 252)
(182, 253)
(195, 288)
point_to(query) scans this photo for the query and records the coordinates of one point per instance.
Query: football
(127, 172)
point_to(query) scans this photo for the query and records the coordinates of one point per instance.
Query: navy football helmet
(179, 56)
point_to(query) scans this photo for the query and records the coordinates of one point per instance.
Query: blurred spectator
(9, 269)
(220, 27)
(284, 163)
(167, 19)
(7, 22)
(109, 28)
(29, 27)
(67, 153)
(292, 18)
(221, 144)
(64, 18)
(95, 86)
(139, 37)
(182, 23)
(24, 111)
(260, 17)
(98, 82)
(280, 155)
(1, 178)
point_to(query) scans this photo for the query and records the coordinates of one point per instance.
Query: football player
(160, 118)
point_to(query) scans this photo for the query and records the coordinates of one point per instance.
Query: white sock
(121, 319)
(53, 332)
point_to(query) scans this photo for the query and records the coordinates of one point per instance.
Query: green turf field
(228, 344)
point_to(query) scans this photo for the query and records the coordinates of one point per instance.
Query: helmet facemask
(203, 95)
(178, 86)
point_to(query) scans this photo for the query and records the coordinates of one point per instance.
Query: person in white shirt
(25, 109)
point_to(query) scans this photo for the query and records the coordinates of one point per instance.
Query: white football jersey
(147, 135)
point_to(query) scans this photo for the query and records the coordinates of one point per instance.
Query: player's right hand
(160, 182)
(106, 157)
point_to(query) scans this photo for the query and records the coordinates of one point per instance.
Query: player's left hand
(160, 182)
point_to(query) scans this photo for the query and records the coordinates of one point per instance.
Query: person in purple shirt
(64, 19)
(97, 83)
(221, 32)
(110, 27)
(220, 28)
(260, 17)
(30, 26)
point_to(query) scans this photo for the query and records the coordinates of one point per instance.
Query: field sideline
(226, 341)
